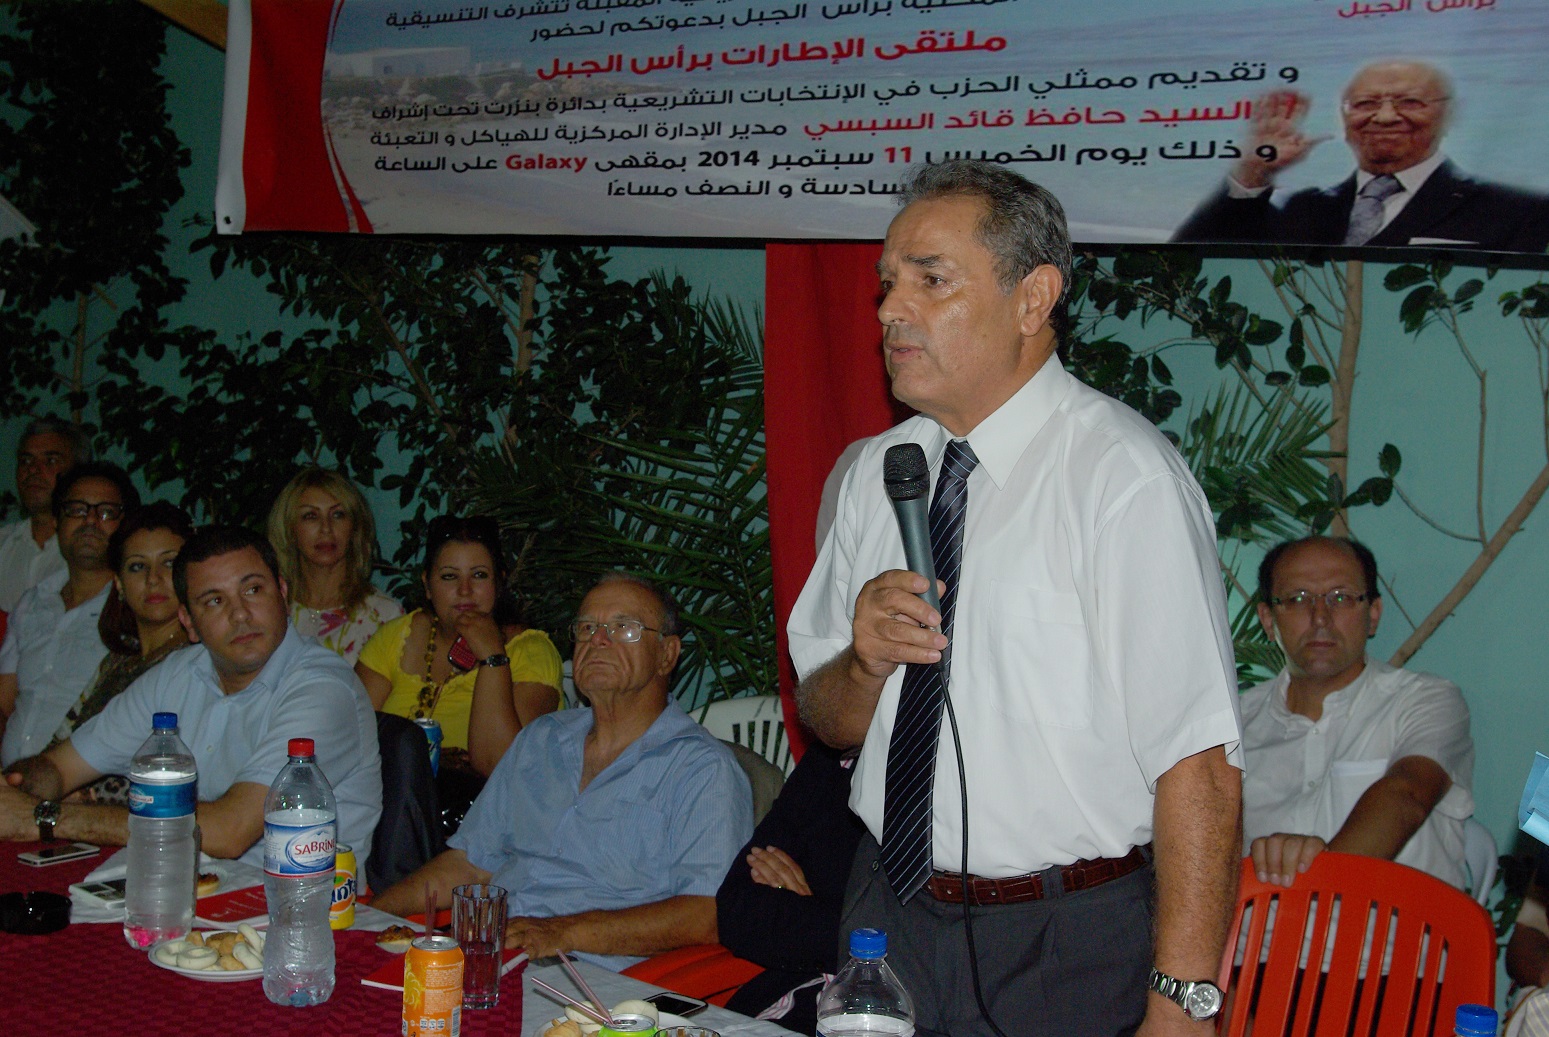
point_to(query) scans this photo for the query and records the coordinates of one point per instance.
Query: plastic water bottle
(865, 997)
(299, 835)
(1476, 1021)
(163, 854)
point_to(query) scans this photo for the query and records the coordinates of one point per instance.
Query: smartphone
(460, 655)
(675, 1004)
(57, 853)
(108, 894)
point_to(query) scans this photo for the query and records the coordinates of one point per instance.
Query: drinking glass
(479, 925)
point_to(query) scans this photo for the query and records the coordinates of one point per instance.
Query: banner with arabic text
(794, 119)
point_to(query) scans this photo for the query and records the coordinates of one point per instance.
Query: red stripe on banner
(824, 388)
(285, 169)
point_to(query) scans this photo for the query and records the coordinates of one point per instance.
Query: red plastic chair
(704, 970)
(1390, 912)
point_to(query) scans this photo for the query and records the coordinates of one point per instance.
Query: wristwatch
(46, 816)
(498, 659)
(1200, 999)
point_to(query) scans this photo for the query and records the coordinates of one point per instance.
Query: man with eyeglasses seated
(610, 828)
(1404, 191)
(1344, 752)
(52, 647)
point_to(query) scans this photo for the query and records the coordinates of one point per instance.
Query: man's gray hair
(80, 442)
(664, 598)
(1023, 225)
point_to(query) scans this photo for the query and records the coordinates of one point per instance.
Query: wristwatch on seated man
(46, 815)
(1200, 999)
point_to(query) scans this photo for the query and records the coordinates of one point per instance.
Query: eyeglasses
(79, 509)
(1401, 105)
(625, 631)
(1336, 601)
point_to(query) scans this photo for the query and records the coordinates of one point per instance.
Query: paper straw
(581, 1006)
(570, 968)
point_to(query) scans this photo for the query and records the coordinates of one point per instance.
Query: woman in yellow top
(495, 681)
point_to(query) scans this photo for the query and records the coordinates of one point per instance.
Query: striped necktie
(1366, 213)
(911, 755)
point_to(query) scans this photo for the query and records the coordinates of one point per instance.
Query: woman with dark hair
(453, 662)
(325, 537)
(139, 623)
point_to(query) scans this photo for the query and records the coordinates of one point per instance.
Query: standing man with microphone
(1078, 672)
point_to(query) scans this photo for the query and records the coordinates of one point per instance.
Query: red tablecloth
(85, 980)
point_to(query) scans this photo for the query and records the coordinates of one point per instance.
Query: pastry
(208, 883)
(396, 938)
(196, 958)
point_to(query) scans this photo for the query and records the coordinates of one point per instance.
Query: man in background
(29, 550)
(52, 646)
(1404, 190)
(1343, 751)
(610, 828)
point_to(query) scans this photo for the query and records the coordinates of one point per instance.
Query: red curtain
(824, 388)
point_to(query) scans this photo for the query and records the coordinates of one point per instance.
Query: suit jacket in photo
(1450, 209)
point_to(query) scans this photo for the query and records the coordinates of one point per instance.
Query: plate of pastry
(214, 955)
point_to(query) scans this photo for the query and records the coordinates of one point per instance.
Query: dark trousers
(1072, 964)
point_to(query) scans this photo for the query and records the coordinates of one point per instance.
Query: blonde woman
(325, 538)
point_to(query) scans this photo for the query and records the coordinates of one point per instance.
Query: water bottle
(1475, 1021)
(163, 854)
(865, 997)
(299, 832)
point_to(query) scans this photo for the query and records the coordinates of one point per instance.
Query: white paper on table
(233, 875)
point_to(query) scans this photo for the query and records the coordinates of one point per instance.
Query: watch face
(1202, 1001)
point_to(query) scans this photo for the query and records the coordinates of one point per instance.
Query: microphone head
(905, 473)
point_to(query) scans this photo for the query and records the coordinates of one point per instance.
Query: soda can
(629, 1025)
(433, 988)
(341, 914)
(432, 729)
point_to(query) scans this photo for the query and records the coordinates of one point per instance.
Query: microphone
(907, 479)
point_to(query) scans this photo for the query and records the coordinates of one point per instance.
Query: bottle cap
(868, 943)
(1476, 1019)
(164, 722)
(301, 747)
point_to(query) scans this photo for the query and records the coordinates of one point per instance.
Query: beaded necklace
(430, 691)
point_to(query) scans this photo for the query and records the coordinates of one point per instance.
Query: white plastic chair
(755, 721)
(1480, 859)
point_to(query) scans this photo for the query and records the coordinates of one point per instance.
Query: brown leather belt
(947, 886)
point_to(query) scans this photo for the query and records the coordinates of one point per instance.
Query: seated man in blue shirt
(610, 828)
(248, 686)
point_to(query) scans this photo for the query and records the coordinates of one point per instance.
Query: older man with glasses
(52, 647)
(1344, 752)
(1404, 190)
(610, 828)
(29, 550)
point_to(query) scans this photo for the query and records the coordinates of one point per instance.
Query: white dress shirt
(1305, 776)
(1092, 649)
(303, 691)
(23, 564)
(54, 653)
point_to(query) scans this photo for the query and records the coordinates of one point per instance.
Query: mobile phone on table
(108, 894)
(460, 655)
(57, 853)
(675, 1004)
